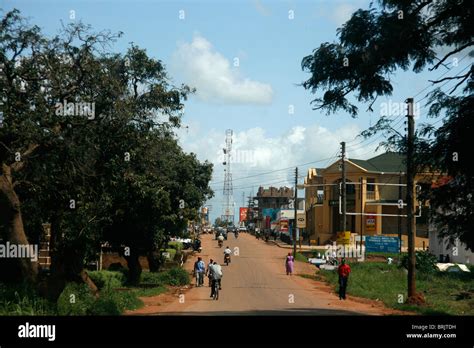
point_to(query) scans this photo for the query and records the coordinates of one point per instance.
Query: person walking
(343, 271)
(289, 264)
(208, 272)
(199, 270)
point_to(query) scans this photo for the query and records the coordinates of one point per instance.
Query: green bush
(178, 276)
(175, 276)
(115, 302)
(23, 300)
(178, 246)
(425, 262)
(151, 278)
(76, 299)
(105, 305)
(172, 253)
(107, 279)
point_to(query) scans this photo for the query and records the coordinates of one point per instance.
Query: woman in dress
(290, 261)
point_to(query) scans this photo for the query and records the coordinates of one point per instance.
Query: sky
(244, 59)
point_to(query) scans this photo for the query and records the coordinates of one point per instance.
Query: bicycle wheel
(216, 291)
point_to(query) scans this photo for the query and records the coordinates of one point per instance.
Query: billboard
(381, 244)
(243, 214)
(284, 226)
(271, 212)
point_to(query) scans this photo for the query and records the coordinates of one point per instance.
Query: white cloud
(342, 13)
(202, 67)
(255, 152)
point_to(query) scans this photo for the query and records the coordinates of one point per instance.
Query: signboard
(381, 244)
(243, 214)
(301, 222)
(283, 225)
(344, 238)
(370, 223)
(271, 212)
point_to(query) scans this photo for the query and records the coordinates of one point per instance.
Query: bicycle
(216, 290)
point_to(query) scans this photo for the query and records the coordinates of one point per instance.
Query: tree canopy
(360, 66)
(88, 145)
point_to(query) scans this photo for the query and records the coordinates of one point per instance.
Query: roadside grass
(23, 300)
(115, 297)
(300, 257)
(147, 292)
(445, 293)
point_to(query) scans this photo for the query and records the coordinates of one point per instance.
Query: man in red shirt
(343, 271)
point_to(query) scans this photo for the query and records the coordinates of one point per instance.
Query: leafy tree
(116, 177)
(360, 65)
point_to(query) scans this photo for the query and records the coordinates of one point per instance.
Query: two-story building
(372, 189)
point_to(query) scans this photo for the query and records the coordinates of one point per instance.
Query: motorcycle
(236, 234)
(197, 246)
(227, 259)
(220, 243)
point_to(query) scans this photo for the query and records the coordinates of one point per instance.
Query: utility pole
(295, 205)
(343, 188)
(400, 210)
(411, 224)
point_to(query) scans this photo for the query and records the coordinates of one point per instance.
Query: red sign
(283, 225)
(243, 214)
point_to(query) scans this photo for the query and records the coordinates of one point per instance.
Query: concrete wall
(440, 247)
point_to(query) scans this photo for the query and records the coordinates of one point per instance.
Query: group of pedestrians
(213, 271)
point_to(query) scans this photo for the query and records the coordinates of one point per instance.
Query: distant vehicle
(242, 229)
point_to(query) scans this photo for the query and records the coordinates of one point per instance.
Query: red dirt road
(255, 283)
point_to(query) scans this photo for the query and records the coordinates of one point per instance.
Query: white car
(242, 229)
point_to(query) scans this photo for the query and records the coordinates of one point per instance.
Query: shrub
(178, 246)
(151, 278)
(115, 302)
(76, 299)
(107, 279)
(175, 276)
(23, 300)
(178, 276)
(172, 253)
(425, 262)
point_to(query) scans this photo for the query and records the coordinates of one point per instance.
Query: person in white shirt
(227, 251)
(216, 272)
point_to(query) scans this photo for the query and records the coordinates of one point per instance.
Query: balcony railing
(370, 195)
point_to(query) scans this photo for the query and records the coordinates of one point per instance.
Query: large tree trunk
(10, 213)
(154, 261)
(67, 265)
(134, 268)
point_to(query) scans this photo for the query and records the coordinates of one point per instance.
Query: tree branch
(459, 49)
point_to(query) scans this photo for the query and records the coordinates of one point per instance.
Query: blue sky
(253, 98)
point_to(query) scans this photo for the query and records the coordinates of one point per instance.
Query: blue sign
(381, 244)
(272, 212)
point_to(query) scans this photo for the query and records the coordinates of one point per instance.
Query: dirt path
(255, 283)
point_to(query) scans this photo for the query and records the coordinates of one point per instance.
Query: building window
(370, 188)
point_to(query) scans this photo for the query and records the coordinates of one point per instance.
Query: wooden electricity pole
(295, 211)
(411, 223)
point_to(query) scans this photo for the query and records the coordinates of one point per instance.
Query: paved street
(255, 283)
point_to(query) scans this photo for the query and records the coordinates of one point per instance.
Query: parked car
(242, 229)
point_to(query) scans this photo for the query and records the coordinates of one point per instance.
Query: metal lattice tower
(228, 206)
